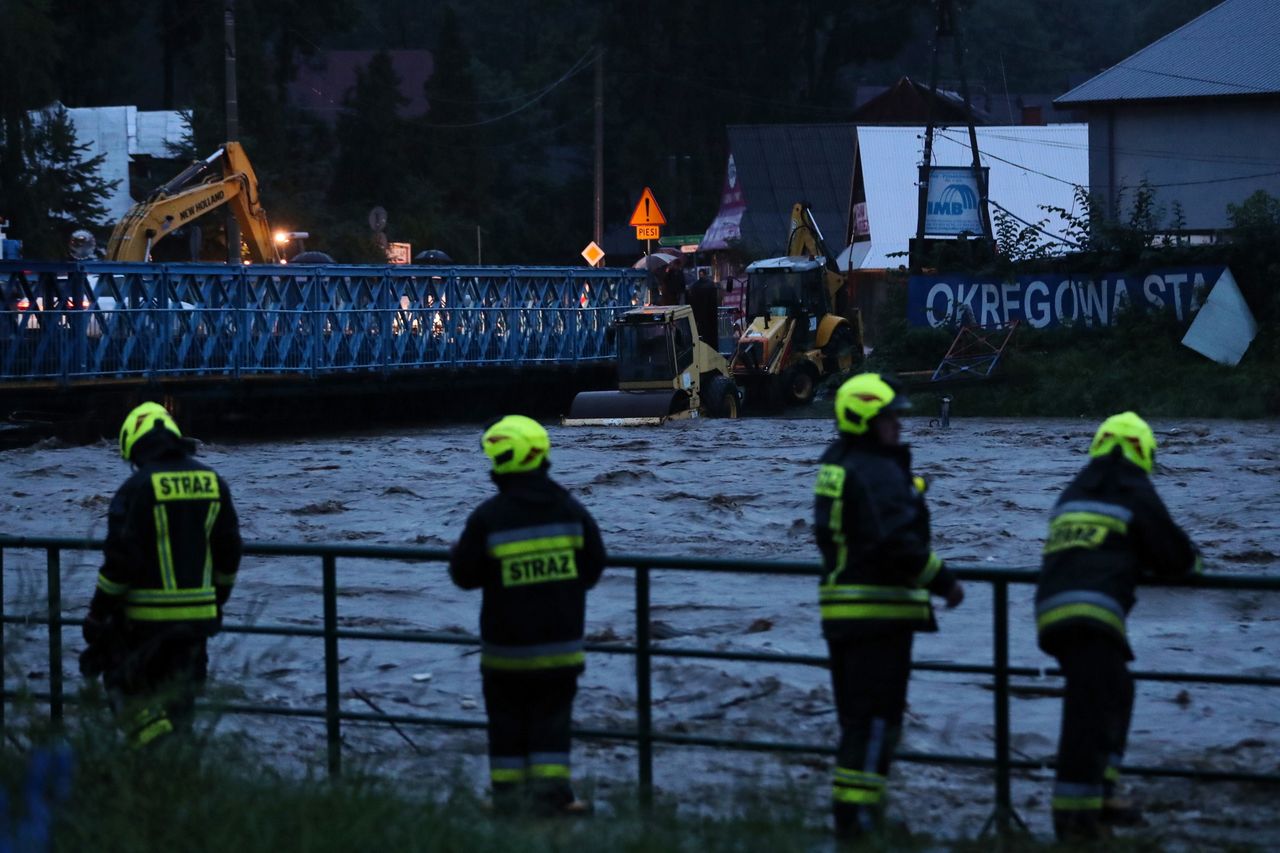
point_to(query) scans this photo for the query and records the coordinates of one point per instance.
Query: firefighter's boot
(1080, 825)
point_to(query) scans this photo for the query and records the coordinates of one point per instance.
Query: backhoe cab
(795, 337)
(665, 372)
(223, 178)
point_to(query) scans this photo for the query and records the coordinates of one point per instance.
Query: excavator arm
(806, 240)
(224, 178)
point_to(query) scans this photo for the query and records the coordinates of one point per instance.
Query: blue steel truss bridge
(96, 337)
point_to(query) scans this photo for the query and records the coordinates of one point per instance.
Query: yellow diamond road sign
(593, 253)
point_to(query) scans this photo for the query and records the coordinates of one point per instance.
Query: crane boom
(224, 178)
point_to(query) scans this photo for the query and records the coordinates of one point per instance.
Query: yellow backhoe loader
(795, 337)
(665, 372)
(224, 178)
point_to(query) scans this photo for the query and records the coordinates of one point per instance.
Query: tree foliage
(505, 150)
(59, 187)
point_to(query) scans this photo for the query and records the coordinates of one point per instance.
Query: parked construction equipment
(224, 178)
(795, 337)
(665, 372)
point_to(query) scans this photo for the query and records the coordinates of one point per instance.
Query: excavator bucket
(626, 408)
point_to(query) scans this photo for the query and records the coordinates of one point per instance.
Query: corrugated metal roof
(779, 165)
(1029, 166)
(1231, 50)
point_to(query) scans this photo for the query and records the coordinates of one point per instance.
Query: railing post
(1004, 806)
(4, 695)
(644, 706)
(333, 723)
(55, 635)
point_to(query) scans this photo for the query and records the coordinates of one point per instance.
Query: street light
(283, 238)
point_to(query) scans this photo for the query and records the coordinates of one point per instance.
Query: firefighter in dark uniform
(1108, 527)
(872, 527)
(534, 551)
(171, 557)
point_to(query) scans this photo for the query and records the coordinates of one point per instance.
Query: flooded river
(723, 489)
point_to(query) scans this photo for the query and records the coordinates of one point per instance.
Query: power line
(1032, 225)
(1242, 86)
(1154, 153)
(1218, 180)
(583, 62)
(1011, 163)
(741, 96)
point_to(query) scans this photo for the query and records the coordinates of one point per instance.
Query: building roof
(1232, 50)
(778, 165)
(908, 102)
(1030, 166)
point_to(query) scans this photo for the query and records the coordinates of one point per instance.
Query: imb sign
(647, 218)
(953, 205)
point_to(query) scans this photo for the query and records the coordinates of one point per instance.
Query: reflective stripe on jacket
(534, 551)
(872, 529)
(1107, 529)
(173, 543)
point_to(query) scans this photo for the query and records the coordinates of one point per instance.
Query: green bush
(1137, 364)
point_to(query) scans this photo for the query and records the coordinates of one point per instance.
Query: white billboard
(953, 203)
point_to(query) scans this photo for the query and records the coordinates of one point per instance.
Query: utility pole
(947, 27)
(598, 229)
(232, 115)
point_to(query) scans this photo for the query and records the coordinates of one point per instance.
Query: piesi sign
(1045, 299)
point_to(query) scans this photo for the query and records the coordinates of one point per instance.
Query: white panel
(1225, 326)
(1030, 166)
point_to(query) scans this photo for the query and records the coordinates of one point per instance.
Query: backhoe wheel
(722, 398)
(798, 384)
(841, 351)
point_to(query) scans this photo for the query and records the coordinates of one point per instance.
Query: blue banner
(1041, 300)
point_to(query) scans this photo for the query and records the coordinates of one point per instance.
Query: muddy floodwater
(723, 489)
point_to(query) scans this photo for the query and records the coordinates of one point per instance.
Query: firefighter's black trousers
(155, 680)
(1096, 710)
(529, 720)
(869, 676)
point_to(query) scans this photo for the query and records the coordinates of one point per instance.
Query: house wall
(1201, 154)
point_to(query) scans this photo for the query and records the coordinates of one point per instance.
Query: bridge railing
(71, 322)
(644, 734)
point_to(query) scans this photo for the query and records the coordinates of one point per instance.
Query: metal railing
(644, 734)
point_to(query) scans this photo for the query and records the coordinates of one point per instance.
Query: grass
(1139, 364)
(218, 795)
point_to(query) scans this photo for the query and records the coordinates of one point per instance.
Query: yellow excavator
(666, 371)
(223, 178)
(796, 336)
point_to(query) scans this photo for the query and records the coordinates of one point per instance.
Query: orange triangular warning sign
(647, 211)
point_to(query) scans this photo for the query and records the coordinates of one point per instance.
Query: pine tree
(371, 135)
(63, 184)
(460, 169)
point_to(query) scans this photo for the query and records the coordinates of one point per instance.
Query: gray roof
(1231, 50)
(781, 164)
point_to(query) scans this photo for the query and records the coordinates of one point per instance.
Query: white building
(1031, 167)
(126, 135)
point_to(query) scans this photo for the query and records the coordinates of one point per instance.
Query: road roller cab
(665, 371)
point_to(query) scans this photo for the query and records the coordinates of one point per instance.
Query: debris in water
(401, 490)
(660, 630)
(321, 508)
(422, 676)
